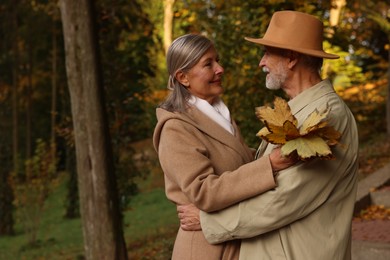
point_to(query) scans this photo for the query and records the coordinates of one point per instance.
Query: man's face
(274, 64)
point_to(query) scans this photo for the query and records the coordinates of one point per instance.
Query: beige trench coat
(205, 165)
(308, 216)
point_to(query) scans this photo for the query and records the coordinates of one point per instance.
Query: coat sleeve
(301, 190)
(188, 165)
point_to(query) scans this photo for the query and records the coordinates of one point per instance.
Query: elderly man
(308, 215)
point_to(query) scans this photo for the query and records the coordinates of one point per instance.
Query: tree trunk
(99, 207)
(72, 209)
(6, 206)
(388, 97)
(53, 97)
(168, 20)
(335, 11)
(9, 154)
(29, 91)
(15, 83)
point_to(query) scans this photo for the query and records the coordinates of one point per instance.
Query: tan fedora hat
(295, 31)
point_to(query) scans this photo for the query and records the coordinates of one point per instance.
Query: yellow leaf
(263, 132)
(307, 147)
(314, 121)
(277, 116)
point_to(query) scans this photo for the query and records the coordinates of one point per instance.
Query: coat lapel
(215, 131)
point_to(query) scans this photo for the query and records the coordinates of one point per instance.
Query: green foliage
(126, 34)
(32, 191)
(343, 72)
(365, 39)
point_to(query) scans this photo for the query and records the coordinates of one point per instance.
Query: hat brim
(314, 53)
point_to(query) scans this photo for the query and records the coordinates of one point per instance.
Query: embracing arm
(187, 164)
(301, 190)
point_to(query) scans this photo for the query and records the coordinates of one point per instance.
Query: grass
(55, 233)
(151, 216)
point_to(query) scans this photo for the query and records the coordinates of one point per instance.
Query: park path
(371, 238)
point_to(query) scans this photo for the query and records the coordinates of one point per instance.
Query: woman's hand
(189, 217)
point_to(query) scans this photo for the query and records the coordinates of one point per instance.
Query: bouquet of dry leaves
(312, 139)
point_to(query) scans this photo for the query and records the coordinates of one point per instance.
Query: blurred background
(39, 203)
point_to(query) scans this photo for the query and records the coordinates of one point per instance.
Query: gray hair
(183, 54)
(311, 62)
(315, 63)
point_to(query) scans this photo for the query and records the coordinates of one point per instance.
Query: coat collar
(202, 122)
(311, 94)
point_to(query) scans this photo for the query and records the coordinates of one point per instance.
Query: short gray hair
(310, 62)
(315, 63)
(183, 54)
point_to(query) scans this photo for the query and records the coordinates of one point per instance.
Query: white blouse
(218, 112)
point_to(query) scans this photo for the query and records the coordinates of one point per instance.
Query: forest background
(37, 137)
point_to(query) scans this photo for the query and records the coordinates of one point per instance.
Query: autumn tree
(129, 55)
(379, 14)
(8, 115)
(362, 31)
(102, 227)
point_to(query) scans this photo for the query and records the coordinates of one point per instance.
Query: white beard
(274, 81)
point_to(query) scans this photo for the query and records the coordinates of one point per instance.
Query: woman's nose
(219, 70)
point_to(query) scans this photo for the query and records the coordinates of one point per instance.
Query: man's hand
(189, 217)
(279, 162)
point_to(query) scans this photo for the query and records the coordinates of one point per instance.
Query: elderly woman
(201, 151)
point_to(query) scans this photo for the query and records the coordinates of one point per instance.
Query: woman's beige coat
(205, 165)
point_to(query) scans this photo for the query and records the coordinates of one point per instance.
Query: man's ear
(293, 59)
(182, 78)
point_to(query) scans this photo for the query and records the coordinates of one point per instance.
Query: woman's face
(204, 79)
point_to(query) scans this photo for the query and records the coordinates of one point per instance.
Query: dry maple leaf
(312, 139)
(277, 116)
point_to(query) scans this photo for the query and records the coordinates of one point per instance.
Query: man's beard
(274, 81)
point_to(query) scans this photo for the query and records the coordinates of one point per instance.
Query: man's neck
(299, 82)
